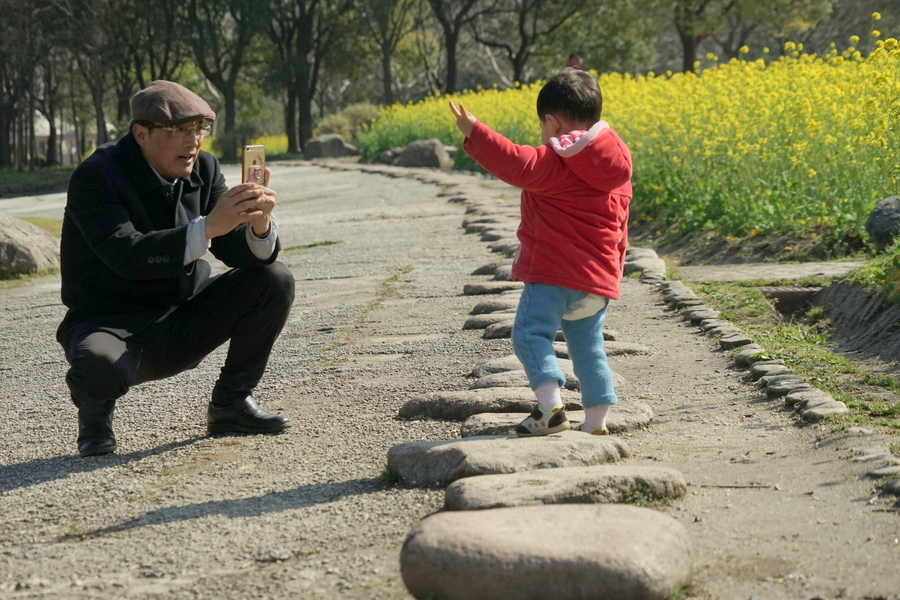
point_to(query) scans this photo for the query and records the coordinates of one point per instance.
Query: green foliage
(336, 123)
(388, 476)
(348, 122)
(881, 274)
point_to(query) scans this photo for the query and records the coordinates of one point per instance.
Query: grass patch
(51, 226)
(388, 476)
(873, 399)
(313, 245)
(36, 176)
(12, 280)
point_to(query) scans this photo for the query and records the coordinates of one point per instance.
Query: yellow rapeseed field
(798, 144)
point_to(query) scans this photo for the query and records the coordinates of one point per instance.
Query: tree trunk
(290, 122)
(229, 149)
(689, 45)
(99, 114)
(5, 124)
(51, 159)
(451, 39)
(386, 77)
(304, 102)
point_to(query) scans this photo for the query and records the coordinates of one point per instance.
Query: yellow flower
(854, 39)
(876, 33)
(744, 50)
(811, 173)
(876, 16)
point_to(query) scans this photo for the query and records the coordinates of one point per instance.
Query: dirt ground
(776, 509)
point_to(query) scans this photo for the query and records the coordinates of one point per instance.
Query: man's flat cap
(169, 103)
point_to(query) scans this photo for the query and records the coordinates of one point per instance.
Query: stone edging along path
(488, 540)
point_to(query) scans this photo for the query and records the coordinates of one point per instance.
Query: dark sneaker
(541, 423)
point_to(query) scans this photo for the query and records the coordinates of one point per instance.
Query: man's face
(172, 154)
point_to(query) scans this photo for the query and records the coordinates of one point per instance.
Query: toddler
(576, 188)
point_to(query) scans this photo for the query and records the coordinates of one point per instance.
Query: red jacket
(574, 208)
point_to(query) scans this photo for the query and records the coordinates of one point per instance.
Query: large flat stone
(484, 320)
(494, 305)
(600, 484)
(458, 405)
(608, 552)
(625, 416)
(505, 364)
(518, 378)
(491, 287)
(443, 462)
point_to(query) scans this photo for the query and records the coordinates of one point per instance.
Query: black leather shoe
(243, 416)
(95, 432)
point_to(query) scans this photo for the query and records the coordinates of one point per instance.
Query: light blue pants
(538, 317)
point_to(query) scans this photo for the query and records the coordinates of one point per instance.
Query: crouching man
(142, 305)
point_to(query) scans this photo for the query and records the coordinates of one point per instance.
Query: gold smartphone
(253, 164)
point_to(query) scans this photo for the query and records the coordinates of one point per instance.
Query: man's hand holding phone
(250, 202)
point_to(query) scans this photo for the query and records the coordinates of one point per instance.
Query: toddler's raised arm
(464, 119)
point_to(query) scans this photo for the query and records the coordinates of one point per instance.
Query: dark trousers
(247, 306)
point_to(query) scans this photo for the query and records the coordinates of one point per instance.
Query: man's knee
(274, 281)
(280, 279)
(95, 379)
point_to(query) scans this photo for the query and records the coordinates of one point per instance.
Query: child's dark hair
(572, 94)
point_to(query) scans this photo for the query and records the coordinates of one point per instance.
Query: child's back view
(573, 233)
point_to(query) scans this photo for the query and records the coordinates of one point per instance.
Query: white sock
(595, 417)
(548, 395)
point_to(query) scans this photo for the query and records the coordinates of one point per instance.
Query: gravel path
(775, 508)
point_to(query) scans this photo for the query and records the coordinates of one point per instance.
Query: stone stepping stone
(497, 365)
(734, 340)
(783, 388)
(494, 305)
(709, 324)
(611, 347)
(458, 405)
(748, 351)
(768, 367)
(508, 246)
(484, 320)
(799, 398)
(625, 416)
(491, 287)
(635, 252)
(608, 552)
(700, 314)
(723, 330)
(767, 380)
(443, 462)
(518, 378)
(503, 273)
(511, 362)
(488, 269)
(891, 488)
(499, 330)
(647, 265)
(891, 471)
(814, 414)
(601, 484)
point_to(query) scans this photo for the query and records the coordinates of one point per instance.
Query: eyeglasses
(191, 131)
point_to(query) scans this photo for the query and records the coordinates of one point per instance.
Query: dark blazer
(123, 241)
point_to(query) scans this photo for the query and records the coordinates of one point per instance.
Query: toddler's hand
(464, 119)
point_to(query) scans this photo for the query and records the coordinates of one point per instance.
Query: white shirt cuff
(262, 248)
(197, 244)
